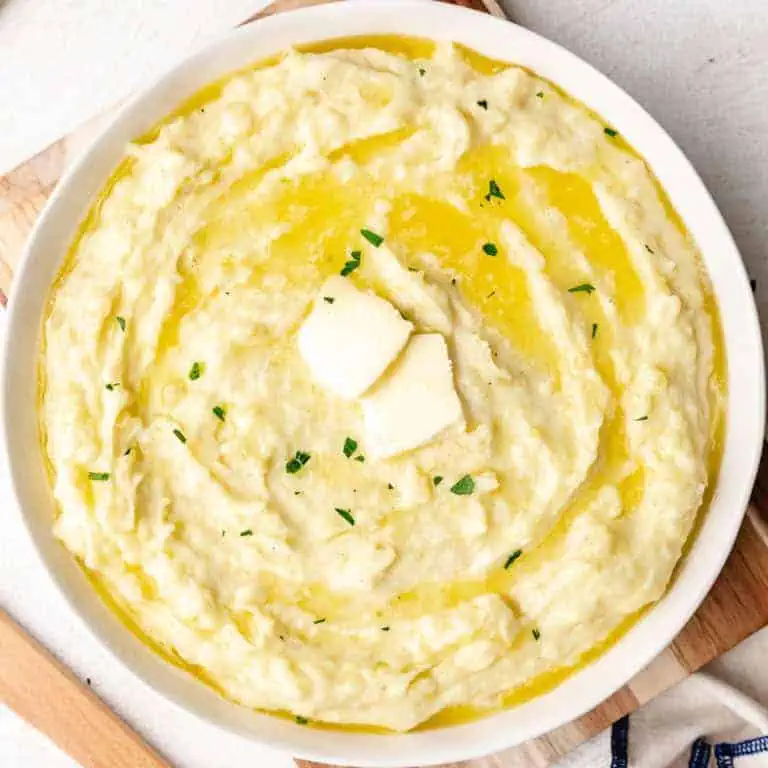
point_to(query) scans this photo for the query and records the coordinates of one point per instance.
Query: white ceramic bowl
(744, 433)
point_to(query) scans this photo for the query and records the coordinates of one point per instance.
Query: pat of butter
(415, 402)
(350, 337)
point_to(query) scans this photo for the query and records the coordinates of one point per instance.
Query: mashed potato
(231, 506)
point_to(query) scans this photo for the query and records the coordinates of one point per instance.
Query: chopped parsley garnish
(437, 479)
(374, 239)
(350, 446)
(101, 476)
(113, 385)
(594, 330)
(536, 634)
(352, 264)
(219, 412)
(494, 191)
(491, 295)
(642, 418)
(583, 288)
(390, 486)
(610, 132)
(648, 248)
(196, 371)
(422, 71)
(360, 458)
(490, 249)
(127, 451)
(483, 104)
(121, 322)
(246, 532)
(301, 720)
(346, 514)
(319, 621)
(385, 629)
(180, 435)
(539, 94)
(297, 462)
(328, 299)
(463, 487)
(511, 559)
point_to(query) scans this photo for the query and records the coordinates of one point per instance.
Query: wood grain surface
(736, 606)
(49, 696)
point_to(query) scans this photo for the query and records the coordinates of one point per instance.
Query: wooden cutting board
(735, 608)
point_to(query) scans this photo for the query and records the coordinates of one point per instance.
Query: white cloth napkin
(725, 704)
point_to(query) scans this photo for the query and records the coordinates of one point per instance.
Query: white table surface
(699, 66)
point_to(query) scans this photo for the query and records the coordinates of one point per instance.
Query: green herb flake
(319, 621)
(352, 264)
(583, 288)
(511, 559)
(422, 71)
(100, 476)
(121, 322)
(112, 386)
(328, 299)
(297, 462)
(436, 480)
(219, 412)
(196, 371)
(649, 249)
(483, 104)
(385, 629)
(301, 720)
(346, 514)
(350, 446)
(594, 330)
(491, 295)
(642, 418)
(246, 532)
(180, 435)
(360, 458)
(536, 634)
(390, 486)
(490, 249)
(374, 239)
(539, 94)
(610, 132)
(127, 451)
(464, 486)
(494, 191)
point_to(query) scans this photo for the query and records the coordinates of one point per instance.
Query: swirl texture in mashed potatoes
(200, 472)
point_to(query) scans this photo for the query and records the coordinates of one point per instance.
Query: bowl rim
(493, 37)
